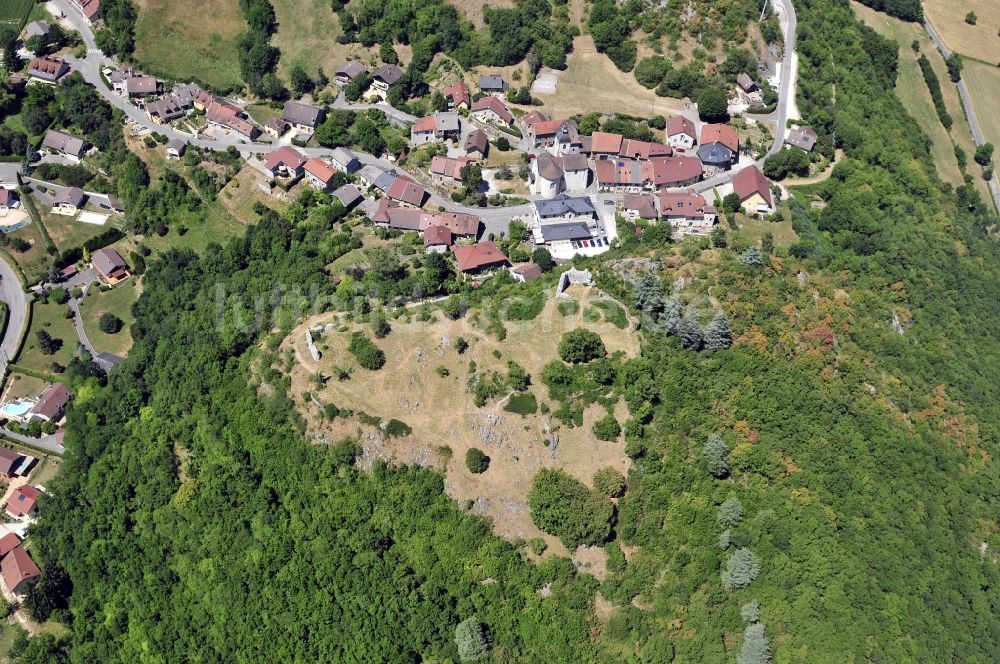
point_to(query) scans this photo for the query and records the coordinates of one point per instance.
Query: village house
(551, 176)
(111, 267)
(176, 148)
(564, 207)
(604, 145)
(302, 117)
(51, 404)
(479, 258)
(66, 144)
(369, 174)
(493, 111)
(68, 201)
(19, 571)
(391, 215)
(437, 239)
(89, 8)
(802, 138)
(35, 29)
(667, 172)
(22, 501)
(748, 90)
(526, 272)
(449, 168)
(10, 461)
(477, 144)
(275, 127)
(563, 238)
(142, 86)
(754, 191)
(48, 69)
(319, 174)
(437, 127)
(9, 200)
(384, 77)
(719, 147)
(349, 71)
(349, 196)
(542, 133)
(644, 150)
(225, 115)
(687, 213)
(8, 543)
(285, 162)
(493, 84)
(622, 175)
(167, 109)
(190, 95)
(457, 95)
(406, 192)
(681, 133)
(639, 206)
(344, 160)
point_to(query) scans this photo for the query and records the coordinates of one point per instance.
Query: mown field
(190, 39)
(13, 12)
(916, 98)
(979, 41)
(983, 82)
(307, 35)
(117, 301)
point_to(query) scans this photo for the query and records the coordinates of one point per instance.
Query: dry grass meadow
(916, 98)
(983, 82)
(186, 39)
(592, 83)
(441, 412)
(307, 35)
(979, 41)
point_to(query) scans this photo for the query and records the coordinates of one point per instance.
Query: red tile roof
(437, 235)
(494, 104)
(680, 125)
(449, 166)
(52, 403)
(424, 124)
(17, 567)
(681, 204)
(8, 543)
(458, 92)
(643, 204)
(751, 181)
(406, 191)
(668, 171)
(289, 157)
(644, 149)
(534, 117)
(547, 127)
(720, 133)
(22, 500)
(478, 256)
(320, 170)
(605, 143)
(8, 196)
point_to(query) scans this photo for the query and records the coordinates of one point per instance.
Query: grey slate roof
(70, 196)
(569, 231)
(348, 195)
(351, 70)
(36, 29)
(714, 154)
(492, 82)
(301, 114)
(563, 205)
(388, 74)
(64, 142)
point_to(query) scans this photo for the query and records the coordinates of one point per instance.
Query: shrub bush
(476, 461)
(110, 324)
(581, 345)
(365, 352)
(610, 482)
(563, 506)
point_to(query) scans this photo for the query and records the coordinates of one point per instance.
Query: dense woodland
(819, 489)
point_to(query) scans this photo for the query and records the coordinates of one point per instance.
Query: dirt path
(819, 177)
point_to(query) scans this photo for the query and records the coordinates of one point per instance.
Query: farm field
(592, 83)
(34, 262)
(440, 409)
(118, 301)
(13, 12)
(979, 41)
(307, 35)
(916, 98)
(983, 82)
(190, 39)
(67, 232)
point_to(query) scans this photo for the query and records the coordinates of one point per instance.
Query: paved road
(970, 112)
(17, 303)
(50, 443)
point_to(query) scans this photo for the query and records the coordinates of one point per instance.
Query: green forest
(816, 492)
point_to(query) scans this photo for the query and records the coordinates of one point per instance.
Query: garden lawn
(50, 317)
(118, 301)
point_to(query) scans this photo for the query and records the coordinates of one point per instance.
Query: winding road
(970, 111)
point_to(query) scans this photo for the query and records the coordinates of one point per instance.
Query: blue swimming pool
(16, 408)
